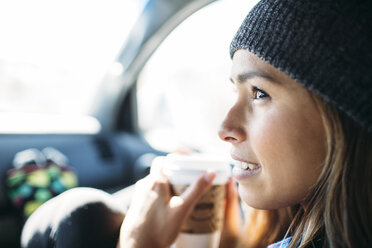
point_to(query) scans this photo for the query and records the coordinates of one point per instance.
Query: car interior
(154, 98)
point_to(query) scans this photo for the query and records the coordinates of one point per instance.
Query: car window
(53, 54)
(184, 91)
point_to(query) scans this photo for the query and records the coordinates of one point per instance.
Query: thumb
(233, 220)
(193, 193)
(232, 201)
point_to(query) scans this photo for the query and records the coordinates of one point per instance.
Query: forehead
(245, 61)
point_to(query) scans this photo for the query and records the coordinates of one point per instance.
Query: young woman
(302, 121)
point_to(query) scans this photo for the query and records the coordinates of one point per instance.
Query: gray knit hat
(326, 45)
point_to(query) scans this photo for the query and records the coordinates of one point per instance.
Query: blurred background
(53, 55)
(76, 76)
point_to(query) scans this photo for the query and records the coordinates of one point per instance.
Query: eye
(259, 94)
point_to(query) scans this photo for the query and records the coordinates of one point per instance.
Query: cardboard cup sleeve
(208, 214)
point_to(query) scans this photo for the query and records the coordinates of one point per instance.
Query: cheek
(289, 136)
(291, 149)
(267, 135)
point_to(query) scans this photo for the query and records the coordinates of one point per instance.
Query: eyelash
(256, 91)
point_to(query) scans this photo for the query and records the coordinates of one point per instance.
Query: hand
(155, 217)
(232, 227)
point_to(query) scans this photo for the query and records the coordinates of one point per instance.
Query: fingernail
(209, 176)
(233, 185)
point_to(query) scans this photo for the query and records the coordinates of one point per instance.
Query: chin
(254, 200)
(259, 201)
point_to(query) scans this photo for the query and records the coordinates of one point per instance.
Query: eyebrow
(243, 77)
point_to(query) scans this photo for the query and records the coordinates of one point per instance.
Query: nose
(232, 128)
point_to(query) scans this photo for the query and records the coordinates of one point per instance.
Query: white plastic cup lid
(185, 169)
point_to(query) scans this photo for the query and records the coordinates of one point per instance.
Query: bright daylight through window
(53, 55)
(184, 91)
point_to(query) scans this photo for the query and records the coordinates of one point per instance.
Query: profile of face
(276, 132)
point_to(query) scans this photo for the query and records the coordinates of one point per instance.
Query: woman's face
(276, 132)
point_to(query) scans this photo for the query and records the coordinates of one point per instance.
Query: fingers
(156, 170)
(160, 181)
(232, 203)
(232, 196)
(233, 219)
(157, 187)
(155, 184)
(191, 196)
(162, 188)
(157, 165)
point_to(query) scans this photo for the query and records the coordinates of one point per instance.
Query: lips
(243, 169)
(245, 165)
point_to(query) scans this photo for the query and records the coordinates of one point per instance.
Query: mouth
(245, 165)
(243, 169)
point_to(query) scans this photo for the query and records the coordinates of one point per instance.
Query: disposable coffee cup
(204, 225)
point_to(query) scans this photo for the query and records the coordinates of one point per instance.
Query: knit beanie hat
(326, 45)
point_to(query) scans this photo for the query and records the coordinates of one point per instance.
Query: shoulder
(318, 242)
(281, 244)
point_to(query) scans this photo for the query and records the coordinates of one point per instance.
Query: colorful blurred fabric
(31, 185)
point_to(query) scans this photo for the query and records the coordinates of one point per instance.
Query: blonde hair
(263, 227)
(338, 210)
